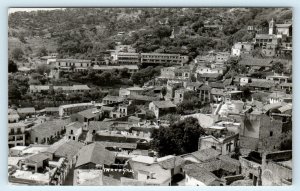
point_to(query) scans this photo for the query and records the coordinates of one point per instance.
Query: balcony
(19, 138)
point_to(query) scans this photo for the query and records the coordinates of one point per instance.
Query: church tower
(271, 27)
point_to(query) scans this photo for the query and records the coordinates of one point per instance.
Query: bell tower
(271, 27)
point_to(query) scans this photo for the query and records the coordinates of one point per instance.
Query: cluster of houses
(108, 143)
(277, 42)
(122, 57)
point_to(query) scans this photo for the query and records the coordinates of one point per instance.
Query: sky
(12, 10)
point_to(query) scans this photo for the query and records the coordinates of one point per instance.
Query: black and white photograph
(140, 96)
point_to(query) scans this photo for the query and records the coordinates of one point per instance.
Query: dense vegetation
(85, 32)
(180, 138)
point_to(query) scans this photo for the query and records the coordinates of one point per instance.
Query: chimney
(155, 159)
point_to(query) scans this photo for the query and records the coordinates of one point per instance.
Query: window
(36, 139)
(71, 132)
(250, 175)
(271, 133)
(214, 147)
(74, 138)
(69, 137)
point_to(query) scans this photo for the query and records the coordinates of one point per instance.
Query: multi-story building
(76, 64)
(240, 48)
(74, 130)
(13, 116)
(47, 88)
(158, 58)
(131, 68)
(263, 39)
(126, 58)
(220, 139)
(112, 99)
(46, 133)
(179, 95)
(16, 134)
(74, 108)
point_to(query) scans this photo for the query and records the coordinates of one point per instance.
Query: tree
(180, 138)
(17, 53)
(163, 31)
(149, 115)
(12, 66)
(22, 38)
(189, 104)
(43, 69)
(246, 93)
(124, 73)
(144, 75)
(13, 91)
(278, 67)
(42, 52)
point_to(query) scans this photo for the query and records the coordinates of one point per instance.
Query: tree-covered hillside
(85, 32)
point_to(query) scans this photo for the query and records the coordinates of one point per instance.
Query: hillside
(85, 32)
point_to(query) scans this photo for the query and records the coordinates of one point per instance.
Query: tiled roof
(26, 110)
(225, 163)
(227, 159)
(95, 153)
(68, 149)
(199, 173)
(36, 158)
(285, 108)
(268, 107)
(206, 154)
(143, 98)
(119, 145)
(262, 84)
(49, 127)
(76, 125)
(113, 98)
(255, 62)
(164, 104)
(170, 163)
(89, 113)
(205, 87)
(100, 125)
(218, 85)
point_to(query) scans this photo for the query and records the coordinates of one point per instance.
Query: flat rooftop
(35, 149)
(28, 175)
(288, 163)
(88, 177)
